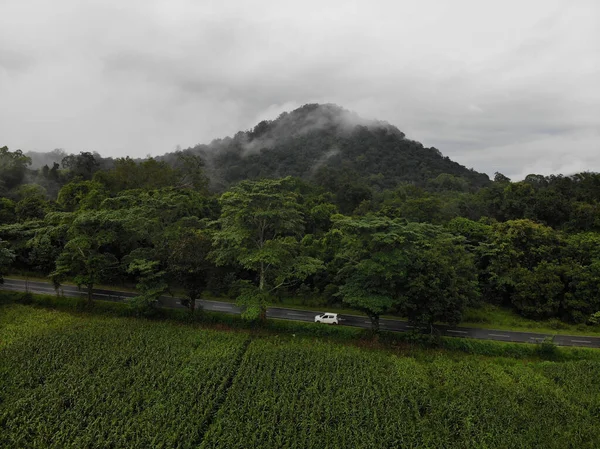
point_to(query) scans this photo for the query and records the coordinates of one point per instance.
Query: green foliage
(7, 211)
(128, 174)
(6, 258)
(547, 349)
(260, 229)
(334, 147)
(47, 242)
(97, 240)
(151, 285)
(515, 249)
(81, 166)
(32, 204)
(188, 245)
(80, 194)
(253, 300)
(531, 245)
(13, 168)
(191, 169)
(416, 269)
(594, 318)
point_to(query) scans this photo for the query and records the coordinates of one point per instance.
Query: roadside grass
(489, 316)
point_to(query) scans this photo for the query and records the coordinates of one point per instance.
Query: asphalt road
(303, 315)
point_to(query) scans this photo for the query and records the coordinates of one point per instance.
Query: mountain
(324, 141)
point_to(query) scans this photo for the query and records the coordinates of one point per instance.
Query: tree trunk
(90, 294)
(261, 284)
(261, 287)
(374, 323)
(192, 305)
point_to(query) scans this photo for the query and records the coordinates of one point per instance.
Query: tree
(33, 204)
(539, 293)
(373, 262)
(188, 263)
(151, 284)
(500, 178)
(513, 253)
(96, 238)
(191, 169)
(446, 181)
(519, 201)
(147, 175)
(582, 258)
(81, 195)
(53, 173)
(416, 269)
(82, 165)
(6, 259)
(13, 166)
(260, 228)
(48, 240)
(7, 211)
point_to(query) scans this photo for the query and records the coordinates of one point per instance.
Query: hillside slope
(323, 141)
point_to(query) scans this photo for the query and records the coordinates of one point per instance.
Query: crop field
(109, 382)
(82, 381)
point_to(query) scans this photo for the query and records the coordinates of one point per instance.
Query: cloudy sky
(509, 86)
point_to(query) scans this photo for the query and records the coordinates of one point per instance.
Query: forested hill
(329, 145)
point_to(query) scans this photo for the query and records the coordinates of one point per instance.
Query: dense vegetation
(70, 380)
(371, 220)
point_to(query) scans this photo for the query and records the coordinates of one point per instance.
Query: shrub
(557, 324)
(547, 349)
(594, 319)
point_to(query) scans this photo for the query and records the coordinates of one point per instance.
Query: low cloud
(510, 85)
(323, 159)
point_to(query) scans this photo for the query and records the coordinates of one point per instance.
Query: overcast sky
(509, 86)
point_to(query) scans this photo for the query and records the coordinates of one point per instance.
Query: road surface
(308, 316)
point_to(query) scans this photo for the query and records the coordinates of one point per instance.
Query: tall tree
(260, 229)
(416, 269)
(188, 264)
(97, 239)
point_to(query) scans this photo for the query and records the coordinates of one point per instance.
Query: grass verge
(489, 316)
